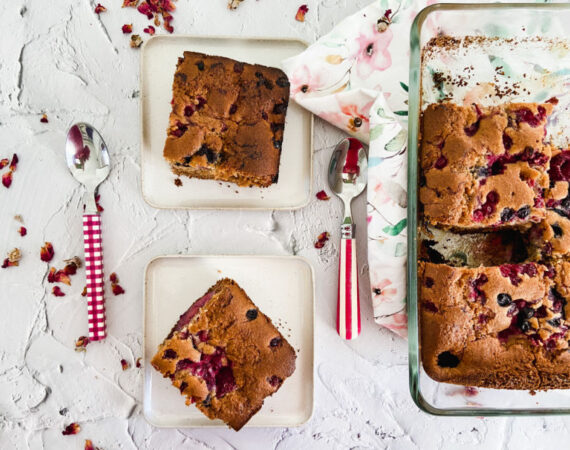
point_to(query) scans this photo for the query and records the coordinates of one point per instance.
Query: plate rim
(142, 60)
(214, 423)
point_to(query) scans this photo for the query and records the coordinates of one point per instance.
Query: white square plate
(281, 286)
(158, 63)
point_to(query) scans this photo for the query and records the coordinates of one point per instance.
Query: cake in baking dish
(484, 166)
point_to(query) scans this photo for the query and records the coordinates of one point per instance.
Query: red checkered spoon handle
(94, 275)
(348, 305)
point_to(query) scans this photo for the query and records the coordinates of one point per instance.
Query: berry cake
(496, 327)
(225, 356)
(552, 236)
(484, 166)
(227, 120)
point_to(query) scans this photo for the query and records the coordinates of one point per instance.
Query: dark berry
(483, 172)
(200, 65)
(187, 159)
(357, 122)
(258, 74)
(279, 108)
(430, 306)
(524, 326)
(275, 381)
(189, 110)
(207, 401)
(370, 49)
(282, 82)
(523, 212)
(504, 300)
(233, 109)
(169, 354)
(183, 386)
(507, 141)
(201, 102)
(555, 322)
(556, 230)
(527, 312)
(304, 89)
(275, 342)
(264, 115)
(251, 314)
(268, 84)
(441, 162)
(429, 282)
(560, 167)
(493, 198)
(277, 144)
(507, 214)
(447, 359)
(238, 67)
(471, 129)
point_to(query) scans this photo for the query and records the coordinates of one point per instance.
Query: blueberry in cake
(225, 356)
(484, 166)
(227, 120)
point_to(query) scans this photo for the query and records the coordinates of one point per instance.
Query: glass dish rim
(413, 141)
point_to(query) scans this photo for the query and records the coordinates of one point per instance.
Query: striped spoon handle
(348, 305)
(94, 275)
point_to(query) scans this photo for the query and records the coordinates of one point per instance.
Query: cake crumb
(178, 182)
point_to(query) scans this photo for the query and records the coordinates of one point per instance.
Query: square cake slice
(484, 167)
(227, 120)
(225, 356)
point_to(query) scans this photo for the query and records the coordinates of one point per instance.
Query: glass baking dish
(521, 53)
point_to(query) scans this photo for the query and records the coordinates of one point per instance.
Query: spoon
(348, 173)
(88, 160)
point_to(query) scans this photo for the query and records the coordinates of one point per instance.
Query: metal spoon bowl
(88, 160)
(348, 175)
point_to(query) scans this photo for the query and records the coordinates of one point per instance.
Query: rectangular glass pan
(521, 53)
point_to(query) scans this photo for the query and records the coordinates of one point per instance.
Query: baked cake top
(227, 114)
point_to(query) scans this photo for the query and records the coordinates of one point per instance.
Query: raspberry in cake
(498, 327)
(552, 236)
(227, 120)
(225, 356)
(484, 167)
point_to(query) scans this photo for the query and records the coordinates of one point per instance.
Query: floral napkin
(356, 78)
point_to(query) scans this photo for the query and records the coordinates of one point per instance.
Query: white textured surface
(58, 57)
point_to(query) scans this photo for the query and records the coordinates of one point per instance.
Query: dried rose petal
(14, 162)
(23, 231)
(131, 3)
(138, 363)
(89, 445)
(44, 118)
(61, 277)
(19, 218)
(144, 8)
(322, 195)
(84, 293)
(127, 28)
(81, 343)
(56, 290)
(72, 428)
(300, 16)
(117, 289)
(322, 239)
(7, 179)
(99, 207)
(51, 275)
(13, 258)
(124, 364)
(46, 253)
(136, 41)
(150, 30)
(100, 8)
(113, 278)
(4, 162)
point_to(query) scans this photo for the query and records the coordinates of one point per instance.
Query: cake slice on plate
(225, 356)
